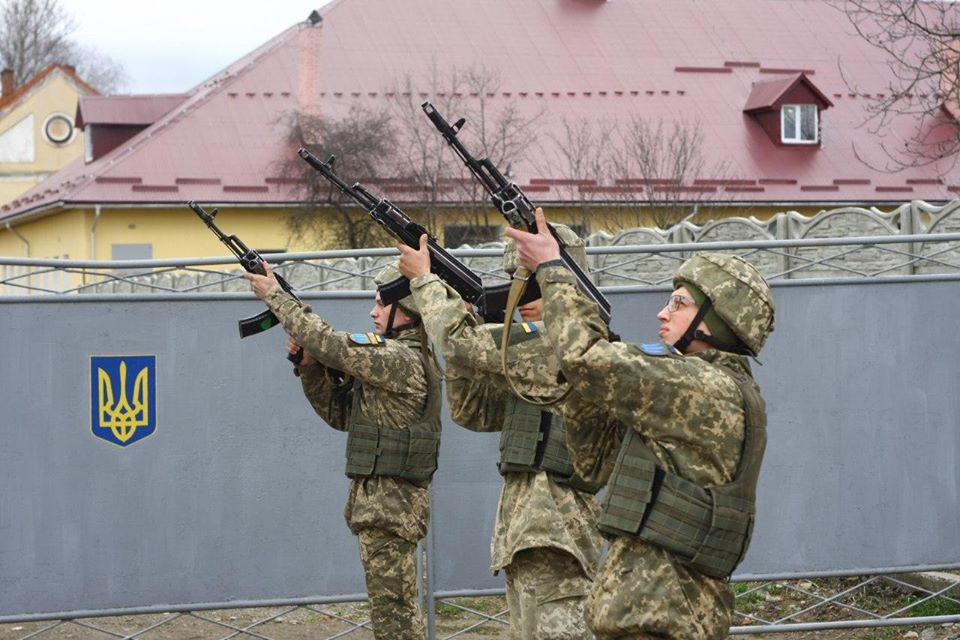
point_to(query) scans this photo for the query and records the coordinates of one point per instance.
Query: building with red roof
(763, 89)
(37, 133)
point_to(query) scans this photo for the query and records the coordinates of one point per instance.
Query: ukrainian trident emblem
(124, 399)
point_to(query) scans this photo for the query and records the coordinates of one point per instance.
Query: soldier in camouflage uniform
(383, 388)
(698, 428)
(545, 536)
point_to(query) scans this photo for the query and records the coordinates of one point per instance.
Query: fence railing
(613, 265)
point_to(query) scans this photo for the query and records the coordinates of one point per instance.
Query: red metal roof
(562, 60)
(125, 110)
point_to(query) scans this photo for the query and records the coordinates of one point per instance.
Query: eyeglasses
(675, 301)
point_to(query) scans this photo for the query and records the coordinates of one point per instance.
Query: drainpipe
(22, 239)
(93, 233)
(93, 238)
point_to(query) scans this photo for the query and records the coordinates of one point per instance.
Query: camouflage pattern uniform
(545, 536)
(690, 414)
(389, 515)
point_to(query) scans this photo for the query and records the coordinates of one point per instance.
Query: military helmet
(571, 241)
(394, 287)
(737, 292)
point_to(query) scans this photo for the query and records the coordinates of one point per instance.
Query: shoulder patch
(657, 349)
(367, 339)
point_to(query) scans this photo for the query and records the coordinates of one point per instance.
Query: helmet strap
(391, 331)
(693, 333)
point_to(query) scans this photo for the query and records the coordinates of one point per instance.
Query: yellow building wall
(56, 95)
(178, 232)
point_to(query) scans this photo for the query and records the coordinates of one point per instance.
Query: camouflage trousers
(546, 593)
(642, 591)
(390, 569)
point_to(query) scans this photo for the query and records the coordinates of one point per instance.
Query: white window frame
(796, 134)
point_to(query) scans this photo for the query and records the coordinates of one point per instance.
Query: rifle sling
(517, 287)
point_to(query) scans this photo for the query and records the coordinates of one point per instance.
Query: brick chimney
(7, 75)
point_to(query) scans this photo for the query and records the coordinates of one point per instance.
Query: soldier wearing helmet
(678, 507)
(545, 537)
(383, 388)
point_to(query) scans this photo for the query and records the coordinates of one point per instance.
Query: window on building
(131, 251)
(799, 124)
(455, 235)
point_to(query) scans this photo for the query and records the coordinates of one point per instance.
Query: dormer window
(788, 110)
(799, 124)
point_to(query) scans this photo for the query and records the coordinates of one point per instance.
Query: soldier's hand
(533, 249)
(262, 285)
(306, 359)
(414, 262)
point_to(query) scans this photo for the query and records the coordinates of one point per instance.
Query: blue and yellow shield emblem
(123, 402)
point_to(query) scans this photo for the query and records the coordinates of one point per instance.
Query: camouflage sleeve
(474, 404)
(392, 366)
(454, 328)
(631, 386)
(328, 398)
(471, 346)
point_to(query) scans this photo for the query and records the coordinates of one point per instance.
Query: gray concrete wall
(239, 493)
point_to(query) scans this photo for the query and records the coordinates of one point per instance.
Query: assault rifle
(489, 301)
(252, 262)
(510, 200)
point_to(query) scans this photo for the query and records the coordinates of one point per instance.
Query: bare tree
(364, 144)
(666, 164)
(580, 151)
(636, 172)
(36, 33)
(922, 41)
(396, 148)
(498, 131)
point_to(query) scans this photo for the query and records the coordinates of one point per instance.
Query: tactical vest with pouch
(534, 440)
(706, 529)
(409, 453)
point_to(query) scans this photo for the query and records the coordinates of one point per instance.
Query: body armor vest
(410, 453)
(707, 529)
(534, 440)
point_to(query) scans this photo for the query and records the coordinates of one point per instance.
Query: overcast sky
(168, 47)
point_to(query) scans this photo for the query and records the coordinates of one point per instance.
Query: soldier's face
(532, 311)
(673, 324)
(381, 315)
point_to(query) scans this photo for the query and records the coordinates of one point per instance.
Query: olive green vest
(707, 529)
(533, 440)
(409, 453)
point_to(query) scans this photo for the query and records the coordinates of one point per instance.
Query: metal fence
(859, 486)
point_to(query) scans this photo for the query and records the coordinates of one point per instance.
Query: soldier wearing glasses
(678, 507)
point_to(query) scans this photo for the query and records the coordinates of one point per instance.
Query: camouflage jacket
(534, 511)
(393, 392)
(686, 409)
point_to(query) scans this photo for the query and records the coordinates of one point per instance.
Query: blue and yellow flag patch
(528, 327)
(367, 338)
(657, 349)
(123, 398)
